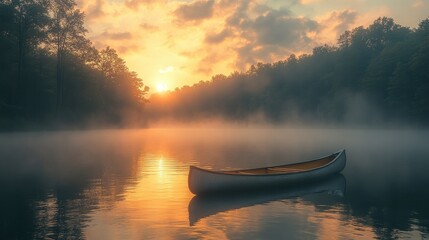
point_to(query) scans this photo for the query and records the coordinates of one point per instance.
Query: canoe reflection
(203, 206)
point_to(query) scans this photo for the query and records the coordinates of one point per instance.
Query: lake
(132, 184)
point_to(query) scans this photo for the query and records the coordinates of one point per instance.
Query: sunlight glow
(166, 70)
(161, 87)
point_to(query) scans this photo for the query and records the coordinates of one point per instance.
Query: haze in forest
(373, 76)
(53, 77)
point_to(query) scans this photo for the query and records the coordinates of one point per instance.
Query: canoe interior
(290, 168)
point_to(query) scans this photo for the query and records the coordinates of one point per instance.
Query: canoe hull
(201, 181)
(202, 206)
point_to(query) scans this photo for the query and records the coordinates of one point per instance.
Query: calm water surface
(132, 184)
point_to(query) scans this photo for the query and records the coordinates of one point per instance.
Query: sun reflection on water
(158, 201)
(161, 167)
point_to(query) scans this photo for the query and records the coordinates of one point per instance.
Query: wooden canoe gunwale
(237, 172)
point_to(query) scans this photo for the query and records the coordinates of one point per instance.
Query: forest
(51, 76)
(373, 75)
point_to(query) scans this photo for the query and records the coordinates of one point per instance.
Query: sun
(161, 87)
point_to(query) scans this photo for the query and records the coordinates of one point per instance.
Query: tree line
(381, 70)
(52, 75)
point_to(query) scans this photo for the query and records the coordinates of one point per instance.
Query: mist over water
(111, 184)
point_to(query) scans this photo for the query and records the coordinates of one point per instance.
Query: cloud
(213, 38)
(148, 27)
(342, 20)
(309, 1)
(129, 48)
(240, 14)
(195, 11)
(417, 3)
(205, 64)
(245, 32)
(95, 10)
(260, 33)
(251, 54)
(279, 28)
(123, 42)
(135, 4)
(333, 24)
(115, 36)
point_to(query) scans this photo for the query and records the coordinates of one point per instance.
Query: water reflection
(132, 184)
(203, 206)
(50, 183)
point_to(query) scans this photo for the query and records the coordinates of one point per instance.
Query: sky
(172, 43)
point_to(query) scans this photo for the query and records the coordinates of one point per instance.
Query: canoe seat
(244, 172)
(285, 169)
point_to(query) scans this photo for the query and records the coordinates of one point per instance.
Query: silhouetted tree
(67, 33)
(48, 67)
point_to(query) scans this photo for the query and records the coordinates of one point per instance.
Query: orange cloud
(257, 32)
(213, 37)
(116, 35)
(195, 11)
(135, 4)
(148, 27)
(333, 25)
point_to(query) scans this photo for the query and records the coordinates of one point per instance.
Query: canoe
(204, 181)
(326, 192)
